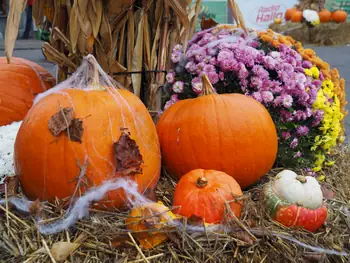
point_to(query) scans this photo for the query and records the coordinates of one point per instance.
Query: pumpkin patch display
(75, 138)
(289, 13)
(339, 16)
(325, 16)
(205, 193)
(232, 133)
(295, 201)
(20, 82)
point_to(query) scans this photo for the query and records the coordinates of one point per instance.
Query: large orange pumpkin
(325, 16)
(232, 133)
(289, 13)
(20, 81)
(297, 16)
(203, 193)
(49, 166)
(339, 16)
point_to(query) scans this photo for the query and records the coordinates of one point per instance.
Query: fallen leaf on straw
(146, 217)
(61, 250)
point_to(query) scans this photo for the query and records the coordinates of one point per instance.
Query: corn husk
(132, 40)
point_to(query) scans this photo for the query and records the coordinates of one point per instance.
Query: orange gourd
(339, 16)
(289, 13)
(20, 81)
(112, 136)
(203, 193)
(232, 133)
(297, 16)
(325, 16)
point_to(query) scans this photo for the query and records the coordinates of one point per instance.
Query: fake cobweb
(86, 77)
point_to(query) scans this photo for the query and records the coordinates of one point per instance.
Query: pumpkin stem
(301, 179)
(94, 73)
(202, 182)
(207, 88)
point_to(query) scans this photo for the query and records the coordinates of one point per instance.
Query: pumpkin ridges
(95, 126)
(208, 154)
(207, 202)
(25, 82)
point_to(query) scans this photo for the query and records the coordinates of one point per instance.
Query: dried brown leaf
(61, 120)
(61, 250)
(12, 184)
(243, 236)
(74, 27)
(131, 39)
(39, 11)
(137, 57)
(121, 45)
(180, 12)
(207, 23)
(327, 193)
(195, 220)
(76, 130)
(12, 26)
(147, 41)
(105, 33)
(98, 9)
(127, 155)
(36, 208)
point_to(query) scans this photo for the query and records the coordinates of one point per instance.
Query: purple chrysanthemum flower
(221, 75)
(318, 117)
(257, 96)
(200, 55)
(175, 57)
(287, 100)
(213, 77)
(170, 77)
(267, 96)
(256, 82)
(307, 64)
(197, 85)
(178, 86)
(191, 67)
(302, 131)
(208, 68)
(177, 48)
(286, 135)
(294, 143)
(297, 155)
(224, 55)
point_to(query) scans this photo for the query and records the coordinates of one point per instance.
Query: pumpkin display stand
(327, 34)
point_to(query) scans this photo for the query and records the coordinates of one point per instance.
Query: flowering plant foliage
(304, 97)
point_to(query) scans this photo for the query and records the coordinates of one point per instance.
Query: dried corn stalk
(131, 39)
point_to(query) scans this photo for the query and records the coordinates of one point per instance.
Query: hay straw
(106, 237)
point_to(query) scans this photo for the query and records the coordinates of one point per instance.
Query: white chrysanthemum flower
(311, 16)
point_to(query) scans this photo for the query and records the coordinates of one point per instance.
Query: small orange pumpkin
(232, 133)
(297, 16)
(339, 16)
(203, 193)
(20, 82)
(325, 16)
(289, 13)
(49, 156)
